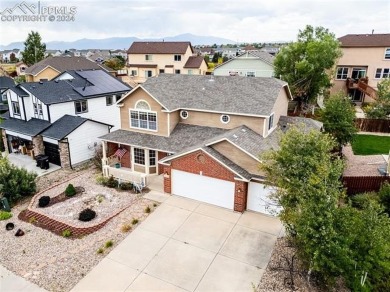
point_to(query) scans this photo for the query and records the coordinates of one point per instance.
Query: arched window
(142, 105)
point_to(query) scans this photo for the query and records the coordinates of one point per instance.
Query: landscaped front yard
(370, 144)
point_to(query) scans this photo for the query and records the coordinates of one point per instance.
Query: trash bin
(4, 205)
(38, 159)
(44, 162)
(117, 165)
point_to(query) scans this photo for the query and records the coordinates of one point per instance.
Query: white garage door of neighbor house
(203, 188)
(259, 200)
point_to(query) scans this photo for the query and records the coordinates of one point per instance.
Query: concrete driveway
(186, 245)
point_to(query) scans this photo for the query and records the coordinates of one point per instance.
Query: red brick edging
(60, 226)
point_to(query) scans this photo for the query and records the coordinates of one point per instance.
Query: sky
(237, 20)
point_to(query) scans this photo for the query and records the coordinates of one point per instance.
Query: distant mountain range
(121, 42)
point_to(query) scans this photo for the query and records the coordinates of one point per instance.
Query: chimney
(372, 32)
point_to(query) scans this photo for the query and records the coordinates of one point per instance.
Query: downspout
(48, 112)
(24, 109)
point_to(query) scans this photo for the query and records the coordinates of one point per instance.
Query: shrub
(147, 209)
(384, 197)
(4, 215)
(43, 201)
(126, 228)
(362, 201)
(32, 220)
(109, 243)
(70, 190)
(15, 182)
(87, 215)
(100, 250)
(154, 204)
(111, 182)
(66, 233)
(126, 186)
(101, 180)
(134, 221)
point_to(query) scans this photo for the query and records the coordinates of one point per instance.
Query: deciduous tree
(304, 64)
(380, 109)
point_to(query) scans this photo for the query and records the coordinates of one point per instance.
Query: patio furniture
(138, 187)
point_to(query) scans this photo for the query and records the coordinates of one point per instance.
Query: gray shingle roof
(224, 94)
(63, 127)
(285, 122)
(159, 48)
(264, 56)
(182, 137)
(31, 128)
(63, 63)
(96, 83)
(18, 90)
(6, 82)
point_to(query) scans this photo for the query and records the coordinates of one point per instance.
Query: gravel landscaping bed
(362, 165)
(57, 263)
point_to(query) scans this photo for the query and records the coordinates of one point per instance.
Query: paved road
(9, 282)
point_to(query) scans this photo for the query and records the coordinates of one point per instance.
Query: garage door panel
(259, 199)
(202, 188)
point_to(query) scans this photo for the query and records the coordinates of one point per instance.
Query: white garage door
(259, 200)
(202, 188)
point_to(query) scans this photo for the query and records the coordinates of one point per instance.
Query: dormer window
(16, 108)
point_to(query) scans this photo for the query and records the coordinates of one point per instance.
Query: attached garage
(203, 188)
(259, 199)
(52, 151)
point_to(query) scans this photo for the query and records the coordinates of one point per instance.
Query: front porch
(132, 164)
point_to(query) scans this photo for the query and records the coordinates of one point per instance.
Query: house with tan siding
(202, 135)
(364, 63)
(148, 59)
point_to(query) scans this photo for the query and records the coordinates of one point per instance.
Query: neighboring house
(250, 64)
(120, 53)
(99, 56)
(5, 84)
(20, 68)
(270, 50)
(148, 59)
(37, 112)
(50, 67)
(8, 55)
(204, 134)
(364, 63)
(52, 53)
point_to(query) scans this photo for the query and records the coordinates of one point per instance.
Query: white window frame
(250, 74)
(222, 119)
(154, 156)
(380, 73)
(81, 106)
(387, 54)
(134, 73)
(148, 57)
(342, 73)
(184, 115)
(136, 155)
(177, 58)
(147, 73)
(40, 110)
(16, 108)
(190, 72)
(35, 106)
(109, 100)
(271, 122)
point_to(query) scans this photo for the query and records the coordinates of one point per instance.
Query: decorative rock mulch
(54, 262)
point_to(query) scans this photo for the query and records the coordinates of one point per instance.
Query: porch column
(5, 142)
(104, 150)
(132, 158)
(146, 151)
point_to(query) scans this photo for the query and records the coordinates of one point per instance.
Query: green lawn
(371, 144)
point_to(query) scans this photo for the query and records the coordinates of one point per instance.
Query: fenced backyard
(361, 184)
(373, 125)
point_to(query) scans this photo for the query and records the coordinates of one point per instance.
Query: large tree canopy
(304, 64)
(380, 109)
(34, 49)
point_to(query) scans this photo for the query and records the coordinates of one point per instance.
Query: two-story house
(62, 118)
(50, 67)
(364, 63)
(202, 134)
(148, 59)
(250, 64)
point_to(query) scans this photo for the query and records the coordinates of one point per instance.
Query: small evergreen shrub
(87, 215)
(66, 233)
(70, 190)
(4, 215)
(101, 180)
(111, 182)
(100, 250)
(126, 228)
(126, 186)
(134, 221)
(43, 201)
(362, 201)
(147, 209)
(108, 244)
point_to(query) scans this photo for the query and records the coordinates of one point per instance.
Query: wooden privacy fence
(362, 184)
(373, 125)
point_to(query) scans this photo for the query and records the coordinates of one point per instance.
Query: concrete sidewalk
(9, 282)
(185, 245)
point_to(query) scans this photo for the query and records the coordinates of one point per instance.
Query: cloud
(239, 20)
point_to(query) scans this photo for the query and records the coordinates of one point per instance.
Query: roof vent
(40, 82)
(235, 136)
(243, 130)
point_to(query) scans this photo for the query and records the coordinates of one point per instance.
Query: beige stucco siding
(48, 73)
(239, 157)
(130, 102)
(174, 119)
(281, 106)
(370, 58)
(214, 120)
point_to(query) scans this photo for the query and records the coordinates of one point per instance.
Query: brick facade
(160, 156)
(64, 154)
(199, 162)
(126, 159)
(38, 145)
